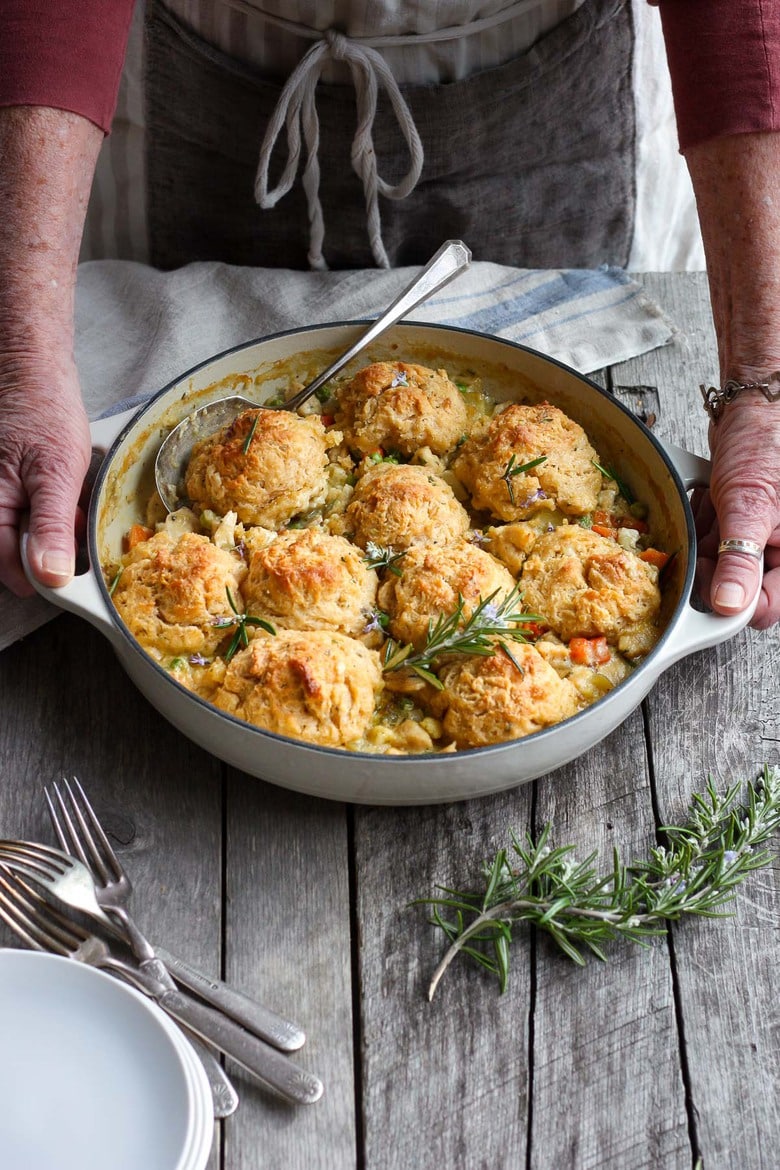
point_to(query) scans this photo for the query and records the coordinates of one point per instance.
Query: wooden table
(657, 1058)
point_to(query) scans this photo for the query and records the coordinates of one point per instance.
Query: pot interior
(263, 369)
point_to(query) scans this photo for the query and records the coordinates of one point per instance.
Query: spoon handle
(452, 257)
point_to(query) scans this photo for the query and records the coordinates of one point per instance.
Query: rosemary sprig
(695, 872)
(240, 621)
(510, 471)
(383, 558)
(622, 486)
(450, 634)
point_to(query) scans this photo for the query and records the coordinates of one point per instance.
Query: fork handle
(224, 1097)
(269, 1065)
(259, 1020)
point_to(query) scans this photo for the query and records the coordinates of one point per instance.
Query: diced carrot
(654, 556)
(328, 420)
(603, 530)
(589, 651)
(534, 629)
(633, 522)
(137, 533)
(602, 517)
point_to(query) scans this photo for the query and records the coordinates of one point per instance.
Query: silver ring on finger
(750, 548)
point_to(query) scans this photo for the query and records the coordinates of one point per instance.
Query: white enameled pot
(659, 475)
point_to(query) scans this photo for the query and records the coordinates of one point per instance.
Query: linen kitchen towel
(138, 328)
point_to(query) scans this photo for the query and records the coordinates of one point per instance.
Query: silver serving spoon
(451, 259)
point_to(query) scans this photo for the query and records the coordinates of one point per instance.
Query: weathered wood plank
(718, 713)
(602, 1033)
(287, 941)
(445, 1084)
(67, 708)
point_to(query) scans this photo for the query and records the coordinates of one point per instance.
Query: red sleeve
(64, 53)
(724, 58)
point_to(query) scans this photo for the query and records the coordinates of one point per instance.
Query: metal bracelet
(716, 399)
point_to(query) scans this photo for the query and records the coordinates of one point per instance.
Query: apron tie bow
(296, 109)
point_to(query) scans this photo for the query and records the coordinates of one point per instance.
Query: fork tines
(75, 822)
(32, 917)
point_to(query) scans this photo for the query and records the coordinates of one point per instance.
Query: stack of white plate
(93, 1074)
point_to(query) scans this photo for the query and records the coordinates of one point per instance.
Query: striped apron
(531, 163)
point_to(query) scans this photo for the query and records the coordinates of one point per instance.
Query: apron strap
(297, 110)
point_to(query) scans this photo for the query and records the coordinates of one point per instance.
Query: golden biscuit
(171, 594)
(401, 407)
(431, 581)
(307, 579)
(586, 585)
(397, 506)
(490, 700)
(319, 686)
(267, 466)
(519, 435)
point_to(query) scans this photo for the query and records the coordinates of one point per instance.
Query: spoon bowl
(452, 258)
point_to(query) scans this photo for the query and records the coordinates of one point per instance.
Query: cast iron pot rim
(381, 760)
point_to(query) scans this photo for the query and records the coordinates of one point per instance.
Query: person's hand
(743, 501)
(44, 456)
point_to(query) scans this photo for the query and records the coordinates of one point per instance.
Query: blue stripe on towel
(563, 288)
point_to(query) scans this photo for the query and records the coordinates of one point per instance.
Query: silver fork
(31, 916)
(80, 833)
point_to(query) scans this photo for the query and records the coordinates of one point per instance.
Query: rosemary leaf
(248, 440)
(512, 469)
(622, 486)
(240, 621)
(378, 557)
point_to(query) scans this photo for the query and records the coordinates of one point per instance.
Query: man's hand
(47, 159)
(734, 178)
(743, 501)
(44, 455)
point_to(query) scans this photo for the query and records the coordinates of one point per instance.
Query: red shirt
(724, 58)
(64, 53)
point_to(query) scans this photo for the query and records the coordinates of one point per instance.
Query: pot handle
(699, 630)
(82, 594)
(693, 470)
(105, 430)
